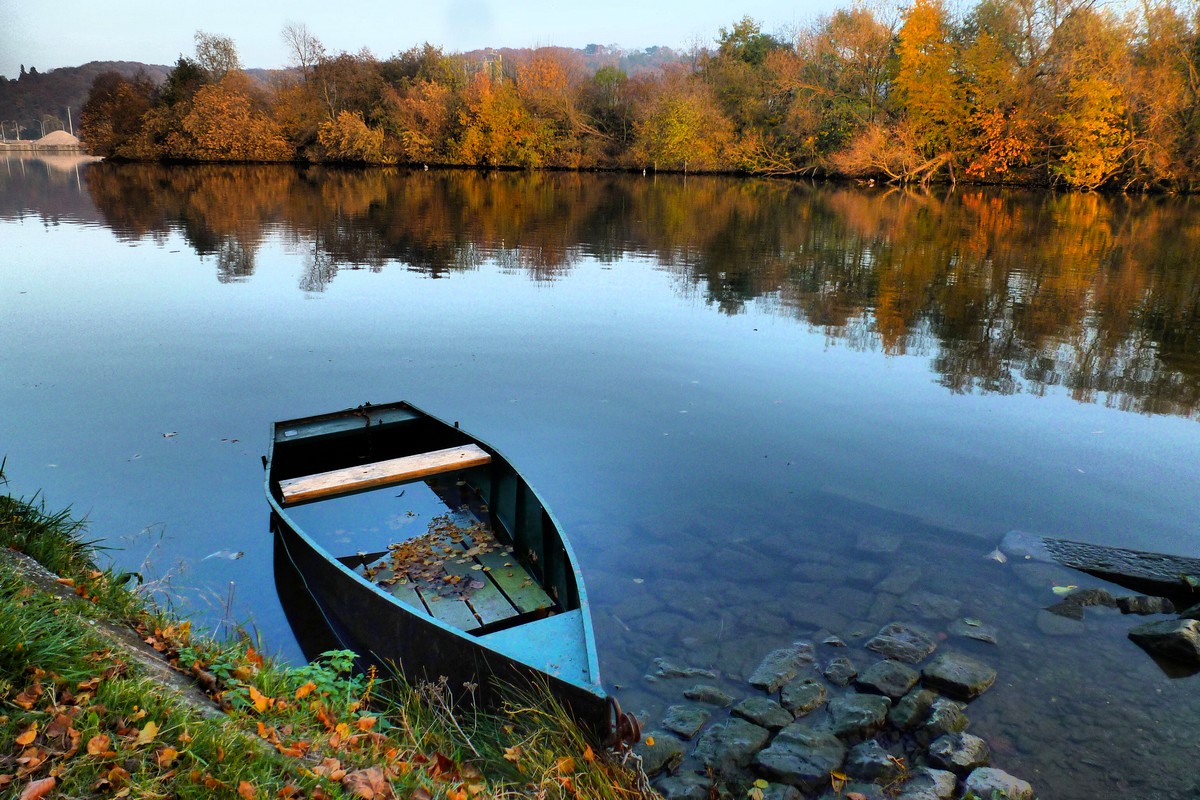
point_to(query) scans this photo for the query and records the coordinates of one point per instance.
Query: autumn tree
(683, 127)
(930, 95)
(304, 49)
(838, 76)
(1002, 123)
(497, 128)
(112, 116)
(1090, 133)
(216, 55)
(225, 123)
(349, 138)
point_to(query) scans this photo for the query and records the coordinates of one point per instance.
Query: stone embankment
(811, 725)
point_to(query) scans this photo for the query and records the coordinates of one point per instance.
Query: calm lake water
(763, 411)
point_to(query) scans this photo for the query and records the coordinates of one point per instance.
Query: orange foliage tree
(224, 124)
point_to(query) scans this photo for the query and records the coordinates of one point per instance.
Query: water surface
(762, 410)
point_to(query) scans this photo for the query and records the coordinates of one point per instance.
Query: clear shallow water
(749, 403)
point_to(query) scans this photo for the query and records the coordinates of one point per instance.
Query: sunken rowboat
(422, 548)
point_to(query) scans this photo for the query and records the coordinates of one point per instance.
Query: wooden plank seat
(381, 473)
(509, 595)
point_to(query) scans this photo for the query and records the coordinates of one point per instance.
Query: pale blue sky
(71, 32)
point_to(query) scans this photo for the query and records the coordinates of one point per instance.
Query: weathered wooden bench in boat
(490, 591)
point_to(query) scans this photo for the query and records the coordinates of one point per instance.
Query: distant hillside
(34, 97)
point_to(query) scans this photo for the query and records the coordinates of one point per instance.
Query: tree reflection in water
(1004, 291)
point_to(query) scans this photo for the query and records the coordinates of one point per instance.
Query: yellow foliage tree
(348, 138)
(1093, 130)
(497, 128)
(224, 125)
(683, 129)
(926, 79)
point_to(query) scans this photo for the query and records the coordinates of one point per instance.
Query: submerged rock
(686, 720)
(1144, 606)
(781, 665)
(934, 606)
(764, 712)
(731, 744)
(911, 709)
(840, 672)
(1174, 639)
(930, 784)
(662, 668)
(945, 716)
(900, 580)
(987, 782)
(869, 762)
(664, 755)
(958, 676)
(959, 753)
(858, 716)
(707, 693)
(902, 642)
(889, 678)
(800, 697)
(801, 757)
(1073, 604)
(973, 629)
(685, 786)
(1053, 623)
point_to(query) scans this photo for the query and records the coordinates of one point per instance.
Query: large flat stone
(958, 676)
(764, 712)
(858, 716)
(889, 678)
(686, 720)
(1173, 639)
(730, 745)
(663, 755)
(987, 782)
(801, 696)
(781, 666)
(801, 757)
(902, 642)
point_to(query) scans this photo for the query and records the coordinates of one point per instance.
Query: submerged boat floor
(458, 573)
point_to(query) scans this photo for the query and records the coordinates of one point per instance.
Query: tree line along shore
(1033, 92)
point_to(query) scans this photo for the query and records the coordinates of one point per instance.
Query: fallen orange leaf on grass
(305, 690)
(260, 700)
(246, 790)
(166, 756)
(98, 745)
(146, 735)
(37, 789)
(28, 736)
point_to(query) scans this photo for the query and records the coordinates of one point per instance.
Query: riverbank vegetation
(1005, 91)
(81, 715)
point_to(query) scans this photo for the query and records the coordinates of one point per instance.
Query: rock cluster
(897, 729)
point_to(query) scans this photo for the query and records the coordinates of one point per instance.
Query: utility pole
(70, 124)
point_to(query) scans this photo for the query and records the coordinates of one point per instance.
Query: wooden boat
(423, 548)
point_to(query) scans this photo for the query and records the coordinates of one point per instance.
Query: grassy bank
(83, 713)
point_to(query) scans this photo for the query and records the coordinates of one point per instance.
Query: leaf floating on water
(229, 555)
(997, 556)
(639, 580)
(974, 623)
(170, 435)
(1060, 590)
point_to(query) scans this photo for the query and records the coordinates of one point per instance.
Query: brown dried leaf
(38, 789)
(370, 784)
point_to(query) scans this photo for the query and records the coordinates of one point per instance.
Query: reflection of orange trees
(1006, 292)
